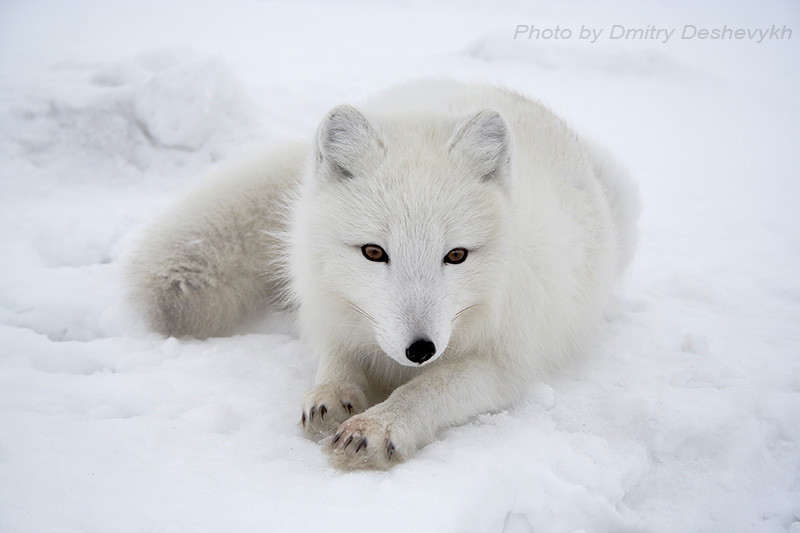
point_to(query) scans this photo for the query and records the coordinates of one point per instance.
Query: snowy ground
(684, 417)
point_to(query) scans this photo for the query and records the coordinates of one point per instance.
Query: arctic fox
(442, 246)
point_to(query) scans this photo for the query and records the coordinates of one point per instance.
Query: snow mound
(180, 99)
(143, 110)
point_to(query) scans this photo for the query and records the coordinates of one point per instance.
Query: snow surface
(684, 417)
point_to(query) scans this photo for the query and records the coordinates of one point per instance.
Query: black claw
(336, 439)
(390, 450)
(311, 414)
(347, 442)
(303, 419)
(349, 407)
(362, 444)
(322, 411)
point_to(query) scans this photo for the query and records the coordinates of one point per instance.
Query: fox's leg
(200, 269)
(338, 394)
(447, 394)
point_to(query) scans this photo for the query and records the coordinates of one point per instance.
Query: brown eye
(456, 256)
(373, 252)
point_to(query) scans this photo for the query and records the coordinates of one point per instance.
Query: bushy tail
(204, 266)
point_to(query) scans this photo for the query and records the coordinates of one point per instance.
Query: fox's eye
(456, 256)
(373, 252)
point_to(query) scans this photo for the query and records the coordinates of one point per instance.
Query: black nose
(420, 351)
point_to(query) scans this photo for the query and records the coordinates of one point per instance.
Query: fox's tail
(212, 260)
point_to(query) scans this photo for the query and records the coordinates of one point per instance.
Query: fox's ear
(486, 140)
(346, 142)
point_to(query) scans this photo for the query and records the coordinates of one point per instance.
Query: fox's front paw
(326, 406)
(366, 442)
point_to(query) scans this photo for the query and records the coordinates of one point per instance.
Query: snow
(684, 416)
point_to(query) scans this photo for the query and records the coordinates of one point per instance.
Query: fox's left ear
(486, 140)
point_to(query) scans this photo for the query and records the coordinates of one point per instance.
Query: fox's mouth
(421, 348)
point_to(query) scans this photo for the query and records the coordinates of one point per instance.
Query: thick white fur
(548, 221)
(212, 260)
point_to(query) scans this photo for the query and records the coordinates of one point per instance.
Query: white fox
(442, 247)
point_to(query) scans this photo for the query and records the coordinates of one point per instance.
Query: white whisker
(473, 306)
(358, 310)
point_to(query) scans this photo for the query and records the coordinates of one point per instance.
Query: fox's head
(402, 228)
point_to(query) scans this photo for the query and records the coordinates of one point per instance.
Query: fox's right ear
(346, 142)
